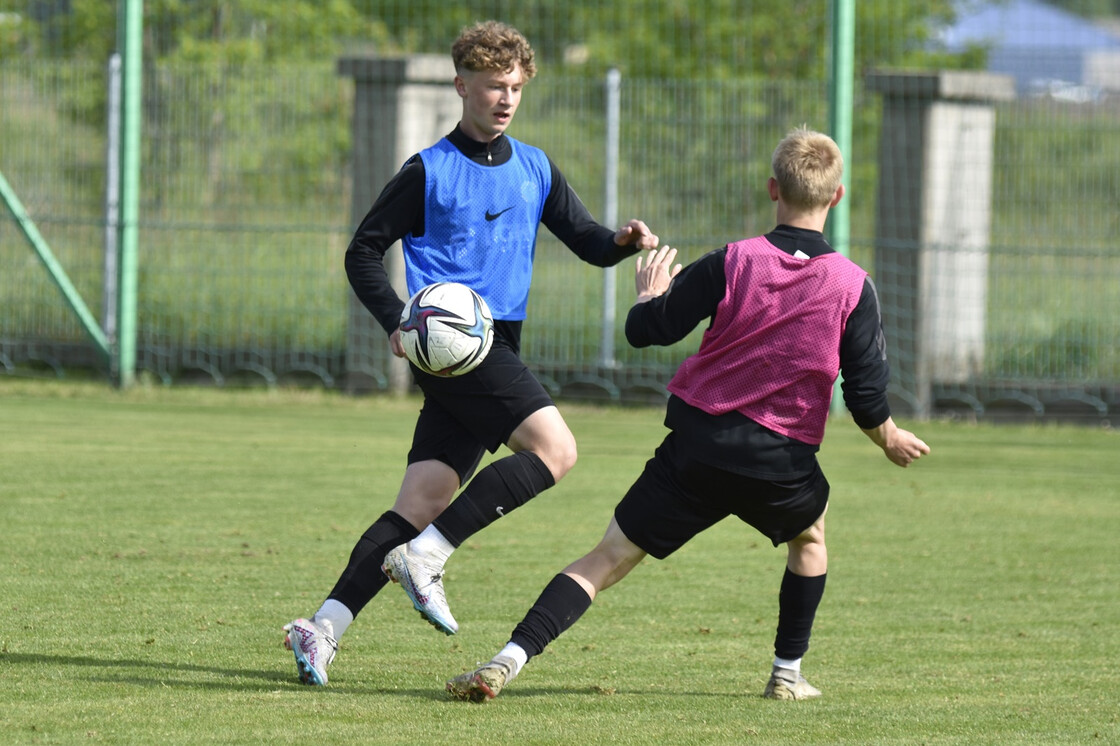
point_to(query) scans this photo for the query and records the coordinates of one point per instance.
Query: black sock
(362, 578)
(502, 486)
(797, 606)
(562, 602)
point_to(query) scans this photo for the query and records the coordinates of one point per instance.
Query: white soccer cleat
(483, 683)
(422, 580)
(787, 684)
(314, 646)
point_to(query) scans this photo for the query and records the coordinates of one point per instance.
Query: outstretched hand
(655, 272)
(636, 233)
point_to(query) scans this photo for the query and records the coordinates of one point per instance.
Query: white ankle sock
(432, 543)
(517, 654)
(793, 665)
(337, 614)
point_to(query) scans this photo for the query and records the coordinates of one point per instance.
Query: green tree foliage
(254, 30)
(19, 34)
(729, 39)
(211, 68)
(1090, 8)
(225, 31)
(214, 69)
(685, 39)
(676, 39)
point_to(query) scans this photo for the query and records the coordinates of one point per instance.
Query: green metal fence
(245, 215)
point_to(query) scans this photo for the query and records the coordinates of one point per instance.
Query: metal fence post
(132, 25)
(843, 65)
(112, 207)
(610, 216)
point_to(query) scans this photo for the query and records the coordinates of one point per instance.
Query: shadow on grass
(157, 673)
(163, 673)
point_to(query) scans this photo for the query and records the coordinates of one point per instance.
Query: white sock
(433, 544)
(336, 613)
(517, 654)
(791, 664)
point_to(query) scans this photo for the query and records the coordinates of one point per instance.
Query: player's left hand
(636, 233)
(655, 272)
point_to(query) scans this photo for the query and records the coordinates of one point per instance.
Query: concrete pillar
(401, 106)
(933, 223)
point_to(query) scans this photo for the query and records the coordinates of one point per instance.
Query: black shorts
(677, 497)
(464, 416)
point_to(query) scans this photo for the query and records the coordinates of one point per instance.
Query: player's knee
(562, 457)
(808, 554)
(419, 510)
(547, 435)
(426, 491)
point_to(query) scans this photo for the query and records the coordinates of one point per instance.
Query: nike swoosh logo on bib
(494, 215)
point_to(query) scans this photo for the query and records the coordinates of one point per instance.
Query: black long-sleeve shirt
(399, 210)
(733, 441)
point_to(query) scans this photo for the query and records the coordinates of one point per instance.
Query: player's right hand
(395, 343)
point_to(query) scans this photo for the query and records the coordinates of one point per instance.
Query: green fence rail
(244, 215)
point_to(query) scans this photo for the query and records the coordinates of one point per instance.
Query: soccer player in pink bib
(785, 315)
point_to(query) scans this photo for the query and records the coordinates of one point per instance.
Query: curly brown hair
(493, 46)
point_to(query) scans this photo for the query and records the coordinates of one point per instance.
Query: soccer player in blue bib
(466, 210)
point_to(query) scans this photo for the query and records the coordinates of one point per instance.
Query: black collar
(498, 149)
(791, 240)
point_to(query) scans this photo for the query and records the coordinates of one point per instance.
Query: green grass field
(156, 540)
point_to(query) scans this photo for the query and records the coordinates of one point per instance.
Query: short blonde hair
(492, 46)
(808, 167)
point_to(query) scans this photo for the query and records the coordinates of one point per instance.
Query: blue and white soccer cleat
(314, 646)
(422, 580)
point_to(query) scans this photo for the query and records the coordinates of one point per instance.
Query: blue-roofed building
(1046, 49)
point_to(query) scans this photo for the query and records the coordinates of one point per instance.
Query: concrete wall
(401, 106)
(932, 225)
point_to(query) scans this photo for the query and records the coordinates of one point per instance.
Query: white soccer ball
(446, 329)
